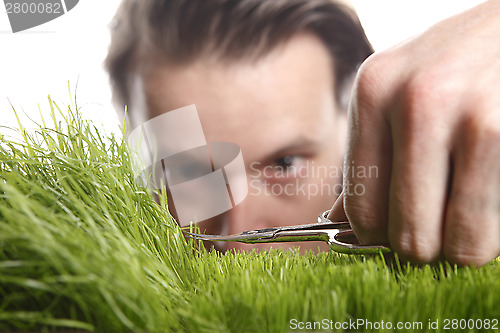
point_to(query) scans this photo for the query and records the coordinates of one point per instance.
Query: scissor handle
(345, 240)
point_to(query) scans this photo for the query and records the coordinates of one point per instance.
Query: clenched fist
(426, 113)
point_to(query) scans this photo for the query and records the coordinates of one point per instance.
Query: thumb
(337, 213)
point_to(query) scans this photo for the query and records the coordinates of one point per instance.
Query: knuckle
(421, 107)
(463, 243)
(426, 85)
(416, 247)
(483, 127)
(369, 75)
(424, 95)
(470, 255)
(371, 68)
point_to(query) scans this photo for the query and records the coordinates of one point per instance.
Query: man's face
(281, 111)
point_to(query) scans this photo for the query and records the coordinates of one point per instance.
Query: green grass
(83, 247)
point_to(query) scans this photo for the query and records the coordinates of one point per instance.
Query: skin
(427, 114)
(281, 111)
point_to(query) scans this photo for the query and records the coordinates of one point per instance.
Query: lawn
(82, 246)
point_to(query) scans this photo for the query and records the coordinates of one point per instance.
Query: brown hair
(182, 30)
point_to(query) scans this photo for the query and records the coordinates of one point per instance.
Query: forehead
(288, 93)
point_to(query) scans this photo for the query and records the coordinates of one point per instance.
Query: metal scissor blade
(244, 238)
(294, 233)
(338, 235)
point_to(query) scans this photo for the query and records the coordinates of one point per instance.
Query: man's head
(272, 76)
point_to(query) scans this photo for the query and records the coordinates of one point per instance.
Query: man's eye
(287, 161)
(286, 168)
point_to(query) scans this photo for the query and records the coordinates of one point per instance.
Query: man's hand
(427, 114)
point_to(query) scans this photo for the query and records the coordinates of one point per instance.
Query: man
(271, 76)
(425, 113)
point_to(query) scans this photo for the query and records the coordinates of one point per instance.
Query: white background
(71, 48)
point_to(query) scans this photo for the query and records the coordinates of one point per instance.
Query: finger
(420, 173)
(337, 212)
(472, 228)
(367, 164)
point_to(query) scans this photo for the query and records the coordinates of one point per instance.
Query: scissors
(339, 236)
